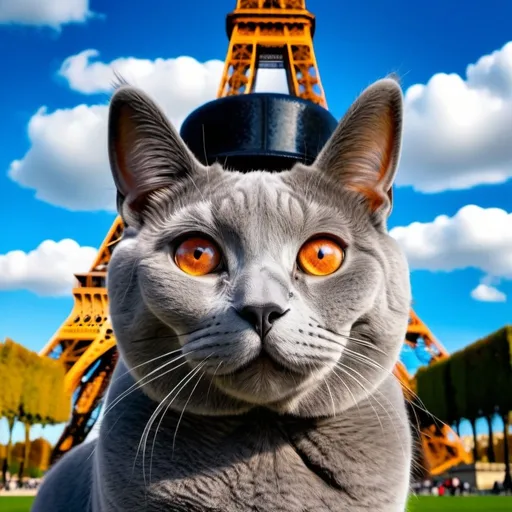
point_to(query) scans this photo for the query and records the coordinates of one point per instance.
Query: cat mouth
(265, 361)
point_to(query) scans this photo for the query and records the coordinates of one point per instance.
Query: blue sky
(454, 154)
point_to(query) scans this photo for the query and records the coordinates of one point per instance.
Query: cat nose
(262, 317)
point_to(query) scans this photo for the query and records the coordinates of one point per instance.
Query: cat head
(284, 290)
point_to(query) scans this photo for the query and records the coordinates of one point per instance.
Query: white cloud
(456, 130)
(67, 163)
(486, 293)
(167, 80)
(47, 270)
(178, 85)
(473, 238)
(52, 13)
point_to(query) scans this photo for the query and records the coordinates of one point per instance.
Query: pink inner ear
(125, 142)
(381, 139)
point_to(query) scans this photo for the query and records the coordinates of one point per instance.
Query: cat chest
(274, 482)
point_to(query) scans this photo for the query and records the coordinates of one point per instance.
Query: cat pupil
(198, 253)
(320, 254)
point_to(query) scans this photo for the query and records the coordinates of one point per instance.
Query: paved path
(19, 492)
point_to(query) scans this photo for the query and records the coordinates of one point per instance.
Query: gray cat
(258, 318)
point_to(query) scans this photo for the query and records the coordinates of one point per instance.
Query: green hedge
(458, 374)
(432, 384)
(473, 382)
(479, 372)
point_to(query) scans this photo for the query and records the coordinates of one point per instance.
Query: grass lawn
(460, 503)
(416, 504)
(15, 504)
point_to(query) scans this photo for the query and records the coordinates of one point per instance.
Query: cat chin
(263, 382)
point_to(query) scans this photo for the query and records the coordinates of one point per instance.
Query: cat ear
(146, 152)
(362, 154)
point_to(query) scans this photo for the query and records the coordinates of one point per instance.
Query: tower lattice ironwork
(262, 34)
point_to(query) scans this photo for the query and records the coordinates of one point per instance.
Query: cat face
(232, 290)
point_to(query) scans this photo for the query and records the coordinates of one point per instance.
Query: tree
(481, 375)
(458, 379)
(32, 392)
(40, 453)
(493, 377)
(58, 409)
(12, 383)
(43, 398)
(498, 378)
(478, 380)
(34, 398)
(433, 388)
(504, 353)
(491, 456)
(507, 482)
(3, 461)
(471, 383)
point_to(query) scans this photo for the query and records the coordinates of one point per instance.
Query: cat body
(258, 318)
(259, 461)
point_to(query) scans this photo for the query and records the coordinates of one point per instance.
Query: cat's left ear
(146, 152)
(362, 154)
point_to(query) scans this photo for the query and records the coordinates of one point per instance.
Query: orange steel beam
(271, 33)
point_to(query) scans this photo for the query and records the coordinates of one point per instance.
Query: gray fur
(326, 428)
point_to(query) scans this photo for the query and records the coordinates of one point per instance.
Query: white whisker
(332, 399)
(211, 381)
(348, 389)
(150, 423)
(135, 386)
(365, 359)
(365, 391)
(188, 378)
(380, 404)
(147, 362)
(183, 411)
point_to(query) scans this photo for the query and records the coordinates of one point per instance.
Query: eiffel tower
(262, 34)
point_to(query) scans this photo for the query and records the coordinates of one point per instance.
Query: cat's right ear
(146, 152)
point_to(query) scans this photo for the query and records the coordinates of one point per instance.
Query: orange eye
(320, 257)
(197, 256)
